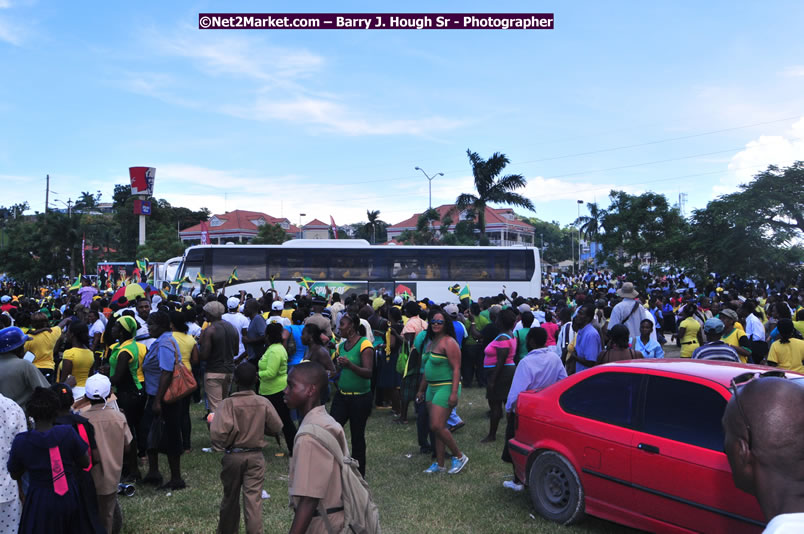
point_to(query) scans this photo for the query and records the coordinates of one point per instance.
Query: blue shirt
(296, 331)
(538, 369)
(460, 332)
(160, 357)
(651, 349)
(587, 345)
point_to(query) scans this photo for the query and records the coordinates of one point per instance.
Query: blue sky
(683, 97)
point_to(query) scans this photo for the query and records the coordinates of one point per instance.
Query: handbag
(183, 382)
(402, 359)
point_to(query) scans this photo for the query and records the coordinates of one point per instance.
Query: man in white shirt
(12, 422)
(765, 448)
(275, 315)
(238, 320)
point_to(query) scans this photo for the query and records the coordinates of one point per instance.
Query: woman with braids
(317, 352)
(441, 388)
(78, 360)
(162, 419)
(352, 402)
(51, 455)
(86, 484)
(788, 352)
(125, 358)
(499, 366)
(619, 347)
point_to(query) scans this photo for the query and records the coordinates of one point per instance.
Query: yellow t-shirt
(288, 313)
(733, 339)
(42, 347)
(788, 356)
(690, 340)
(82, 359)
(186, 343)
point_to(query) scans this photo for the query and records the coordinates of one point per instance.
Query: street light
(430, 180)
(579, 236)
(301, 232)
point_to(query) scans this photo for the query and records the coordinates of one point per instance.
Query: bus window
(349, 265)
(251, 265)
(473, 267)
(519, 269)
(424, 265)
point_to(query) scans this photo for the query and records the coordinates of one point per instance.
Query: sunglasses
(741, 380)
(437, 321)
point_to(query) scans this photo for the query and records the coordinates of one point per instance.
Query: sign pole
(142, 229)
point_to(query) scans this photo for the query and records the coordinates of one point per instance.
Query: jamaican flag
(273, 277)
(76, 284)
(455, 289)
(464, 293)
(142, 266)
(206, 283)
(306, 282)
(233, 277)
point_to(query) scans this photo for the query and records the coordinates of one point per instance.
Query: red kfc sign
(142, 180)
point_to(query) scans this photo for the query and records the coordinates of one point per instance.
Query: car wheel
(555, 488)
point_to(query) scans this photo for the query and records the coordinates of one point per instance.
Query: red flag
(83, 253)
(204, 233)
(334, 228)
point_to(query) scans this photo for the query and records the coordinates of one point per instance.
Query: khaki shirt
(315, 473)
(112, 435)
(321, 322)
(243, 420)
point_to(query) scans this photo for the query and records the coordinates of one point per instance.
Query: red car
(639, 443)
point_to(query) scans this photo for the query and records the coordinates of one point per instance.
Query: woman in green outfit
(352, 402)
(273, 373)
(442, 381)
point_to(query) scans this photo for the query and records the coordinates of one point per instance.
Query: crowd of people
(83, 379)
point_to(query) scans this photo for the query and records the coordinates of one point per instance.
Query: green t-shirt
(349, 382)
(521, 343)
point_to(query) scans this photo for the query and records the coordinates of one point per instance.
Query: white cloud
(10, 32)
(334, 116)
(779, 150)
(247, 57)
(794, 71)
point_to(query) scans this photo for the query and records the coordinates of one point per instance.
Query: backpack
(360, 513)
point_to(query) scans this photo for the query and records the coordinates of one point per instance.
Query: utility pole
(47, 193)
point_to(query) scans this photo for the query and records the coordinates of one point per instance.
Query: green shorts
(439, 395)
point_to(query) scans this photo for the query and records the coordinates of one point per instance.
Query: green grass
(409, 501)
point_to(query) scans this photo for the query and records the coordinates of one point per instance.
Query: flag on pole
(76, 284)
(233, 277)
(306, 282)
(205, 233)
(83, 253)
(273, 277)
(464, 293)
(455, 289)
(334, 228)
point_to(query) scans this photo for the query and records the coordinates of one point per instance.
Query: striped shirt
(716, 350)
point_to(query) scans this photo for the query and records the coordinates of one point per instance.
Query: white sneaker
(458, 464)
(510, 484)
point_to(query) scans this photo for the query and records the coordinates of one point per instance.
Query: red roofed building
(502, 226)
(315, 229)
(237, 225)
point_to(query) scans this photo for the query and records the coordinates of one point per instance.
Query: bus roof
(353, 243)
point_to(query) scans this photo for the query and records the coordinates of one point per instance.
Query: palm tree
(373, 223)
(490, 188)
(591, 225)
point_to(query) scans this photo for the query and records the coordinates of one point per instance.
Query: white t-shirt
(284, 321)
(785, 524)
(97, 327)
(519, 325)
(193, 329)
(240, 322)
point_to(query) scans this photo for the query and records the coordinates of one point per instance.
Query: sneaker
(433, 469)
(458, 464)
(511, 485)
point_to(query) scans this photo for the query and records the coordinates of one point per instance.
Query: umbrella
(131, 292)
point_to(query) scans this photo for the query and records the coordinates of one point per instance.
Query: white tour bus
(353, 266)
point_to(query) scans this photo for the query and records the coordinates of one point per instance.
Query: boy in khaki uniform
(114, 440)
(239, 427)
(314, 473)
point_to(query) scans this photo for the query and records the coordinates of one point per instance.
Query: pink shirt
(552, 329)
(503, 341)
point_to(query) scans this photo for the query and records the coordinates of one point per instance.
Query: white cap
(277, 305)
(397, 300)
(451, 310)
(97, 387)
(289, 298)
(233, 303)
(523, 308)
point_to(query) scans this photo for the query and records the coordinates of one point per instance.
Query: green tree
(424, 233)
(491, 188)
(554, 241)
(270, 234)
(88, 201)
(590, 225)
(642, 227)
(375, 228)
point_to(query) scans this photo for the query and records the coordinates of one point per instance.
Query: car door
(599, 432)
(680, 473)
